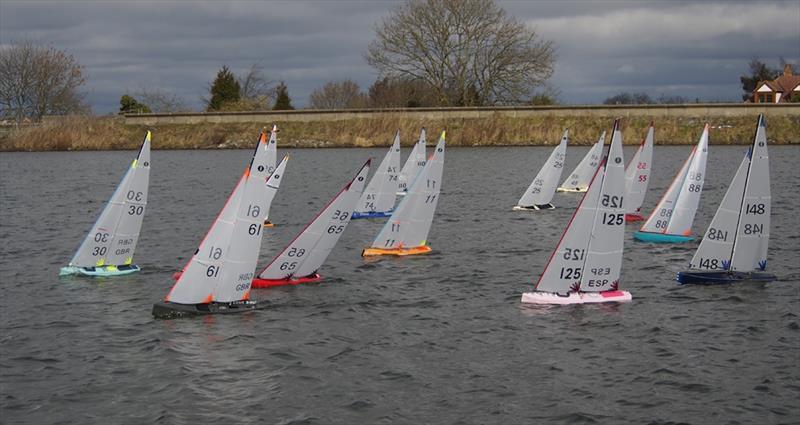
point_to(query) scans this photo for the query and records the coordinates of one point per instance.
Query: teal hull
(661, 237)
(104, 271)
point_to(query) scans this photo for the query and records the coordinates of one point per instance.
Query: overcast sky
(689, 49)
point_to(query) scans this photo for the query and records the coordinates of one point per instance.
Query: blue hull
(721, 277)
(661, 237)
(371, 214)
(103, 271)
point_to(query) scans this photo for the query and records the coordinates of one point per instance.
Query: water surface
(440, 338)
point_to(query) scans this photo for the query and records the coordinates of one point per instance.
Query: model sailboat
(671, 221)
(271, 160)
(734, 247)
(541, 190)
(586, 264)
(217, 278)
(108, 248)
(302, 258)
(406, 231)
(381, 192)
(413, 165)
(637, 177)
(578, 180)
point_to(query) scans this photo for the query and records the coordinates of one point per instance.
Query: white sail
(714, 252)
(271, 158)
(660, 217)
(219, 269)
(580, 177)
(543, 187)
(410, 222)
(563, 271)
(601, 271)
(752, 233)
(637, 175)
(113, 237)
(413, 165)
(308, 251)
(242, 255)
(680, 222)
(381, 192)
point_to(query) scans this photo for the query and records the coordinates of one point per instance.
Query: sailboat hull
(572, 189)
(372, 252)
(552, 298)
(661, 237)
(170, 310)
(270, 283)
(371, 214)
(533, 207)
(721, 277)
(632, 218)
(103, 271)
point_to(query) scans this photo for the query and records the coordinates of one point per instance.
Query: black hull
(721, 277)
(535, 207)
(169, 310)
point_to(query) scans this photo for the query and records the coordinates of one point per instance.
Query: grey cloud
(604, 47)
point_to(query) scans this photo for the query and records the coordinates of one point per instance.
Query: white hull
(576, 297)
(572, 190)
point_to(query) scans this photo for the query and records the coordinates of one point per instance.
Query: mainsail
(381, 192)
(675, 211)
(585, 267)
(113, 237)
(309, 249)
(734, 246)
(637, 174)
(541, 190)
(410, 222)
(578, 180)
(222, 268)
(413, 165)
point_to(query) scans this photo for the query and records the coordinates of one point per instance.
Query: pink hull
(576, 297)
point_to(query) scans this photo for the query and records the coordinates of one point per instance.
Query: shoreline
(730, 125)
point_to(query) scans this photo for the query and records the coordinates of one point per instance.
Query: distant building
(785, 88)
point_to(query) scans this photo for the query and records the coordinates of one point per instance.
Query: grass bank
(109, 133)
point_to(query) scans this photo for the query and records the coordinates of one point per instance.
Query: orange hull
(371, 252)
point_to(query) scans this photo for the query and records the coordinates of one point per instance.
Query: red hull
(632, 218)
(269, 283)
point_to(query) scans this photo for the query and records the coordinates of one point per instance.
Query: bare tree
(38, 80)
(338, 95)
(159, 100)
(256, 90)
(470, 51)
